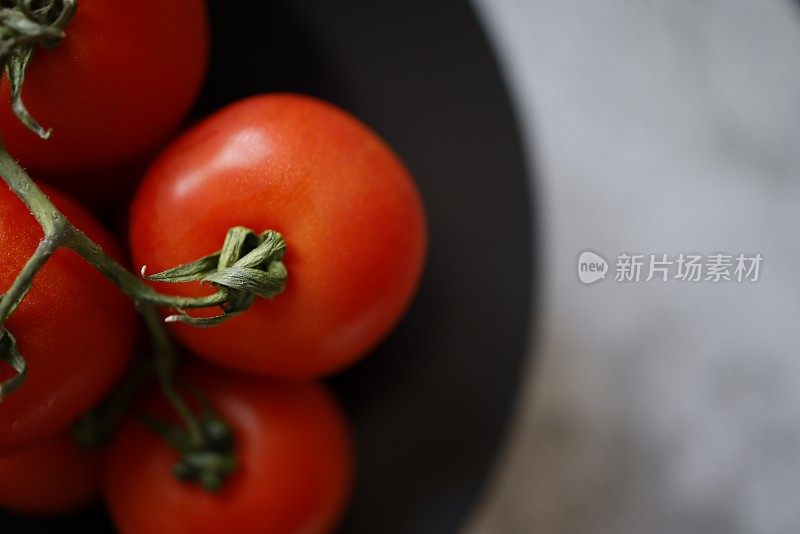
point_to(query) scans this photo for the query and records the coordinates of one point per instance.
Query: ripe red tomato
(347, 207)
(294, 471)
(51, 477)
(121, 81)
(74, 327)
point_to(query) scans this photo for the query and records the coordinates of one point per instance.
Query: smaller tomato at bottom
(51, 477)
(294, 463)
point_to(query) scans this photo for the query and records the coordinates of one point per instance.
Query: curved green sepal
(25, 26)
(189, 272)
(11, 355)
(17, 67)
(264, 284)
(201, 322)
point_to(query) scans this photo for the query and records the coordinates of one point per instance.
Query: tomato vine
(248, 265)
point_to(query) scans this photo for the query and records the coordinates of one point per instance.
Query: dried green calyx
(207, 457)
(26, 25)
(248, 266)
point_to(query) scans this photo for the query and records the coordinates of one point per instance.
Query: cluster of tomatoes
(116, 89)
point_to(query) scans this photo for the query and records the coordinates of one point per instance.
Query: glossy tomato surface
(74, 327)
(120, 82)
(347, 207)
(51, 477)
(295, 464)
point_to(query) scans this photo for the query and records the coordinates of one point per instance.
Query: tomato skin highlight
(349, 211)
(120, 82)
(51, 477)
(74, 327)
(295, 463)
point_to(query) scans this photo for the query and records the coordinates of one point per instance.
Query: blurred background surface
(657, 127)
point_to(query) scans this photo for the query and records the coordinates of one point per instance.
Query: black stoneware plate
(430, 407)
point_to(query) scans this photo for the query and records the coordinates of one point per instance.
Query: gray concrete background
(658, 127)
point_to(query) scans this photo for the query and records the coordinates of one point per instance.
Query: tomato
(295, 464)
(121, 81)
(74, 327)
(347, 207)
(51, 477)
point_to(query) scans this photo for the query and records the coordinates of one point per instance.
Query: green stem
(60, 232)
(208, 455)
(96, 426)
(19, 288)
(133, 286)
(166, 359)
(47, 215)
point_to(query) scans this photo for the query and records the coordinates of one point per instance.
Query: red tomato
(50, 477)
(347, 207)
(294, 472)
(74, 327)
(123, 78)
